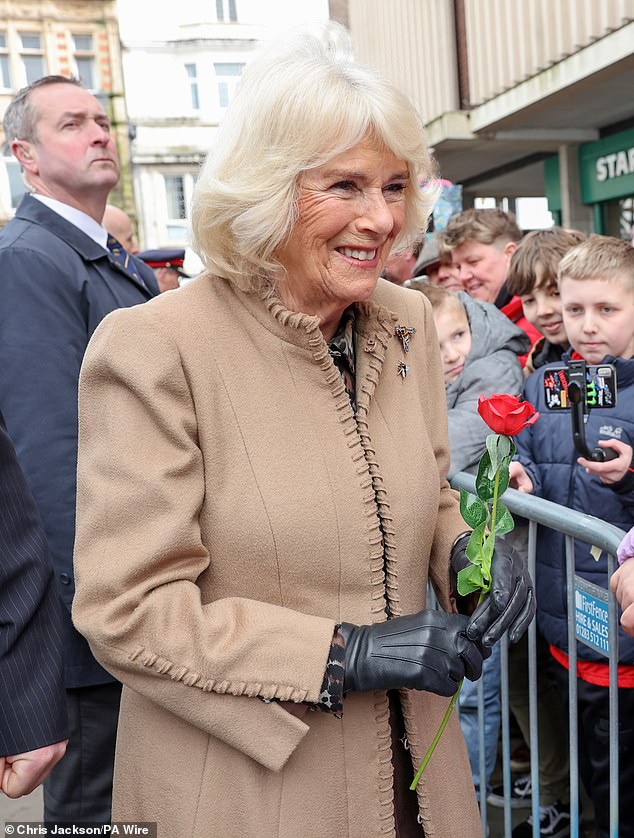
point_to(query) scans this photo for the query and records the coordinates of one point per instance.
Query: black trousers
(79, 789)
(594, 750)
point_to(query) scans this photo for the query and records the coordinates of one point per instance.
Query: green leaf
(474, 547)
(503, 519)
(487, 556)
(503, 479)
(492, 443)
(472, 509)
(484, 485)
(469, 580)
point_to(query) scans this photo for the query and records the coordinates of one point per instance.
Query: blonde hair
(599, 257)
(437, 296)
(298, 105)
(487, 226)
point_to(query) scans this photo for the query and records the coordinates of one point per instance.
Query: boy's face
(483, 268)
(599, 317)
(542, 309)
(454, 337)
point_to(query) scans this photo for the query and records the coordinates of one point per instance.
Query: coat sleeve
(33, 706)
(43, 335)
(139, 552)
(497, 373)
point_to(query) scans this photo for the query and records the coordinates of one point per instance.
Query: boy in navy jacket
(596, 283)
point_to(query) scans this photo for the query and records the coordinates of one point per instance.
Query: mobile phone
(599, 390)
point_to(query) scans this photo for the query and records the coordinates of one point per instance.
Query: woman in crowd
(262, 496)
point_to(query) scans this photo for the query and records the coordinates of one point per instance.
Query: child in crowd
(482, 242)
(533, 278)
(596, 284)
(479, 349)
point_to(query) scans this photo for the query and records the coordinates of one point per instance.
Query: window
(31, 56)
(84, 56)
(175, 193)
(227, 76)
(192, 75)
(226, 11)
(14, 181)
(5, 73)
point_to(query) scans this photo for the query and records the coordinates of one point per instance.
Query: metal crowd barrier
(581, 598)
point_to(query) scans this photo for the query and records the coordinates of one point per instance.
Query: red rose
(506, 414)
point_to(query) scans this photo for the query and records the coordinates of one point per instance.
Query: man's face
(73, 156)
(483, 268)
(599, 317)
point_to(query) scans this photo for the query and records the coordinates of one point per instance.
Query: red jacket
(515, 313)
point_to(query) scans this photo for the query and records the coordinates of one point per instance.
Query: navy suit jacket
(32, 696)
(56, 285)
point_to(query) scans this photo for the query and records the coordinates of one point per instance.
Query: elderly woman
(262, 496)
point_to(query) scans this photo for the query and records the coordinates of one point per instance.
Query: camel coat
(231, 511)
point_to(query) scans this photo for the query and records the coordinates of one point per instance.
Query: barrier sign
(591, 615)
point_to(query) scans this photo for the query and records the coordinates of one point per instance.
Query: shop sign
(607, 168)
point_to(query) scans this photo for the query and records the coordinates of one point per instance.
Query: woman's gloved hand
(510, 604)
(425, 651)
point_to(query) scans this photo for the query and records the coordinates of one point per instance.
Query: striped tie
(122, 258)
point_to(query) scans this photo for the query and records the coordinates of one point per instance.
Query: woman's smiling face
(351, 209)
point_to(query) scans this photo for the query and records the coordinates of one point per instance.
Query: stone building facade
(69, 38)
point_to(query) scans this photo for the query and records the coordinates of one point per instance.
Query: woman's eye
(344, 185)
(395, 188)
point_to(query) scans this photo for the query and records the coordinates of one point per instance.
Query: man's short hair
(486, 226)
(599, 257)
(535, 262)
(20, 119)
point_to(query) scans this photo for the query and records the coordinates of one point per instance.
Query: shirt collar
(80, 219)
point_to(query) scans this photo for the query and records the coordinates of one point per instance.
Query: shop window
(192, 77)
(227, 78)
(5, 72)
(31, 56)
(226, 11)
(84, 57)
(13, 186)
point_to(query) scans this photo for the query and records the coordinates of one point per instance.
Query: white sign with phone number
(591, 615)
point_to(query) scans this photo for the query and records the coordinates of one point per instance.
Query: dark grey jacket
(491, 367)
(56, 285)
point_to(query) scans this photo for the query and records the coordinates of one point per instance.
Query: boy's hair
(599, 257)
(437, 296)
(486, 226)
(541, 250)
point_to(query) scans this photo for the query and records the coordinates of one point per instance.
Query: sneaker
(521, 791)
(554, 822)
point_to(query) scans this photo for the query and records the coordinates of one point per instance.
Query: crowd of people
(222, 506)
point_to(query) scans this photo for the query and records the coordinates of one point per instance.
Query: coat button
(65, 579)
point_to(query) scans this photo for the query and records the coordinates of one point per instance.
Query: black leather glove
(425, 651)
(510, 603)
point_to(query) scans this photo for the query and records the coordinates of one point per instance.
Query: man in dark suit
(60, 274)
(33, 724)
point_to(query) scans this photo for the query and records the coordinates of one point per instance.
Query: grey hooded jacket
(492, 366)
